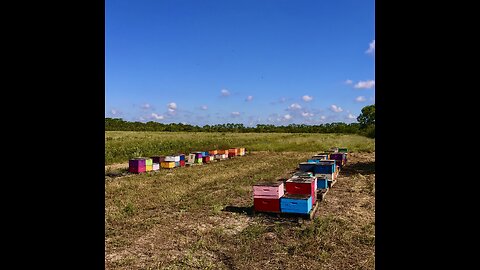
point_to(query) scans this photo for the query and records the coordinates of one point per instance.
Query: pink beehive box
(272, 190)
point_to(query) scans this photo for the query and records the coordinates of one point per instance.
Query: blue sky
(239, 61)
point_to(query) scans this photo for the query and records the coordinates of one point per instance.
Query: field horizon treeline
(365, 126)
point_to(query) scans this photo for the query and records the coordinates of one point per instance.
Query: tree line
(365, 126)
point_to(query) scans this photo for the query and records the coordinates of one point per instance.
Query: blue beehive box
(182, 157)
(306, 166)
(323, 168)
(296, 203)
(313, 160)
(322, 183)
(177, 163)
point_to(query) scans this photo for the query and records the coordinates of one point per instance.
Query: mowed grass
(198, 217)
(120, 146)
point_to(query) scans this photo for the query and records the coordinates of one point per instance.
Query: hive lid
(308, 163)
(304, 180)
(296, 196)
(269, 184)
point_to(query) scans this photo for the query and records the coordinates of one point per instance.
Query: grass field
(123, 145)
(200, 217)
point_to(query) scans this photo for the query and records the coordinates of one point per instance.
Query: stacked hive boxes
(156, 162)
(198, 158)
(341, 158)
(266, 196)
(232, 152)
(148, 164)
(136, 165)
(182, 160)
(302, 185)
(190, 159)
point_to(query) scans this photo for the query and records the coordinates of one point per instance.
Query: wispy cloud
(307, 114)
(323, 117)
(351, 116)
(225, 93)
(249, 98)
(204, 107)
(146, 106)
(287, 117)
(360, 99)
(158, 117)
(113, 112)
(371, 48)
(307, 98)
(365, 84)
(295, 106)
(235, 114)
(348, 82)
(335, 108)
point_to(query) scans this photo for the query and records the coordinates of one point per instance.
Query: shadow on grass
(363, 168)
(116, 172)
(242, 210)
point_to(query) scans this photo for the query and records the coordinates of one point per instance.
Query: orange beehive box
(212, 152)
(168, 164)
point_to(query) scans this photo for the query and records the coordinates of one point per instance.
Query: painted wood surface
(296, 203)
(273, 190)
(266, 205)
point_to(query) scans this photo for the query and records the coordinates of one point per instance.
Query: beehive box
(301, 186)
(182, 163)
(320, 157)
(156, 166)
(149, 168)
(198, 160)
(296, 203)
(168, 164)
(268, 190)
(242, 151)
(157, 159)
(137, 165)
(313, 160)
(212, 152)
(342, 150)
(306, 166)
(191, 158)
(172, 158)
(232, 152)
(206, 159)
(322, 183)
(198, 155)
(266, 205)
(182, 157)
(323, 168)
(177, 164)
(337, 156)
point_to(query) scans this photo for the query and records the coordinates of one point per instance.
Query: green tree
(367, 117)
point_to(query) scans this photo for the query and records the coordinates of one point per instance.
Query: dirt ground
(200, 217)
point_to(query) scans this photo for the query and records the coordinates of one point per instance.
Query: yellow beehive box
(168, 164)
(148, 168)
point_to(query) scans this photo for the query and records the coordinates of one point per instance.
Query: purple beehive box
(157, 159)
(136, 162)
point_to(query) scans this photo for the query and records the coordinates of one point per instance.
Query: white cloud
(365, 84)
(249, 98)
(307, 98)
(172, 106)
(295, 106)
(307, 114)
(158, 117)
(323, 117)
(113, 111)
(360, 99)
(204, 107)
(371, 48)
(287, 117)
(141, 118)
(336, 108)
(235, 114)
(351, 116)
(348, 81)
(225, 93)
(146, 106)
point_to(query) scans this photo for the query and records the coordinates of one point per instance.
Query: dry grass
(198, 218)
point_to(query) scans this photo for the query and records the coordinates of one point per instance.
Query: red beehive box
(232, 151)
(301, 186)
(182, 163)
(266, 205)
(206, 159)
(137, 169)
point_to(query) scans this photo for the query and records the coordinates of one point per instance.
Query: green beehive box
(342, 150)
(199, 160)
(148, 161)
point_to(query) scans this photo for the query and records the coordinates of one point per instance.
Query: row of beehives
(142, 164)
(298, 194)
